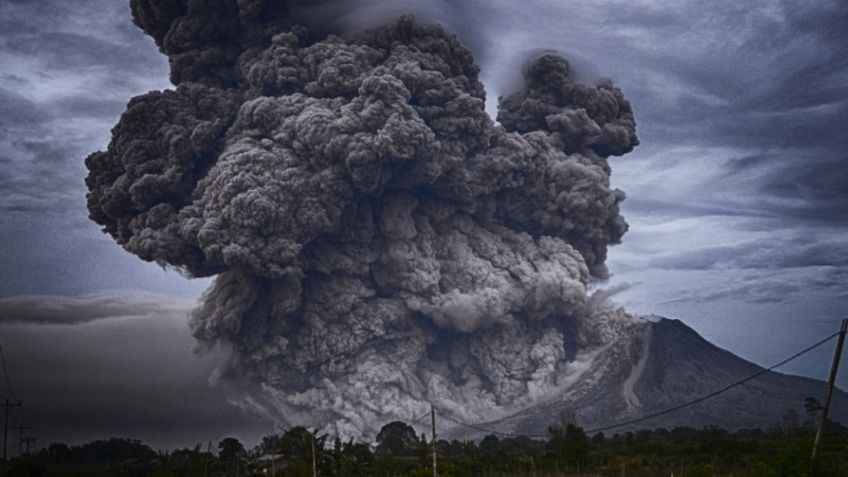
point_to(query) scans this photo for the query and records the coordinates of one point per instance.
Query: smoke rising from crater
(378, 241)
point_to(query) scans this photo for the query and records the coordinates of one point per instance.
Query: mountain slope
(659, 365)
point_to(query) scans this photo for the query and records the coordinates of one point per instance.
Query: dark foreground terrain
(780, 451)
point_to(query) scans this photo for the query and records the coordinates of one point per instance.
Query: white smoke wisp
(378, 242)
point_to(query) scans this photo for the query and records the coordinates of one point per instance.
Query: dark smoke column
(379, 243)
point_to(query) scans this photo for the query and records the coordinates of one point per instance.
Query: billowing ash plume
(379, 242)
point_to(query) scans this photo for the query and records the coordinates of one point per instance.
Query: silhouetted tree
(230, 449)
(296, 446)
(598, 439)
(569, 443)
(397, 439)
(812, 408)
(58, 453)
(112, 450)
(490, 444)
(351, 459)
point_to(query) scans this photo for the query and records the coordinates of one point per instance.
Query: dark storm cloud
(750, 119)
(794, 63)
(780, 92)
(64, 71)
(67, 74)
(62, 38)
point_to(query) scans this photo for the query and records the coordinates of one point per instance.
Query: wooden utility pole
(433, 426)
(834, 368)
(206, 461)
(7, 406)
(314, 464)
(273, 443)
(273, 459)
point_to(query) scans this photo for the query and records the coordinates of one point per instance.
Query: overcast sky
(737, 196)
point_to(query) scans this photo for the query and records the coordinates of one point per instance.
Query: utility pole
(830, 384)
(274, 458)
(208, 453)
(21, 437)
(433, 426)
(273, 443)
(7, 406)
(314, 465)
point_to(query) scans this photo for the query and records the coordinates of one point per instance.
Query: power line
(417, 420)
(490, 431)
(659, 413)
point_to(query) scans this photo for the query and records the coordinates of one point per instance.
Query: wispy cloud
(72, 310)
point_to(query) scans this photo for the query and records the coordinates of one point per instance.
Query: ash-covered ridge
(378, 242)
(657, 365)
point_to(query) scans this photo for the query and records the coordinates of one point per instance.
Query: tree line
(783, 450)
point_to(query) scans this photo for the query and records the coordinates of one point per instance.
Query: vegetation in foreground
(781, 451)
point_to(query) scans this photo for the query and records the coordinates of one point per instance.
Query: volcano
(659, 364)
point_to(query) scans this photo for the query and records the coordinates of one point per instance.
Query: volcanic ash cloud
(378, 242)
